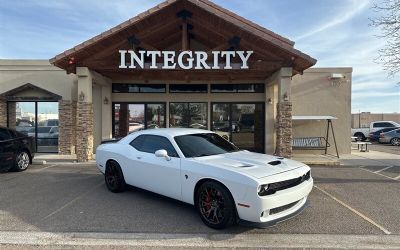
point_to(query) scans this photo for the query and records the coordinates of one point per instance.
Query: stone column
(3, 113)
(12, 115)
(67, 127)
(284, 129)
(284, 114)
(84, 116)
(84, 131)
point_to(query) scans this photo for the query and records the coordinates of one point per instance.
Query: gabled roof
(216, 19)
(12, 95)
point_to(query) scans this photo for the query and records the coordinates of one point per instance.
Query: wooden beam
(185, 40)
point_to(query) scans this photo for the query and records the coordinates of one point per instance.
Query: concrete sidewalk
(371, 158)
(43, 159)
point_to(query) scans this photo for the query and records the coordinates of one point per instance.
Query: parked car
(374, 136)
(225, 184)
(363, 133)
(16, 150)
(392, 137)
(45, 135)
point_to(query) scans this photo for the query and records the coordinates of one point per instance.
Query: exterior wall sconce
(269, 100)
(285, 97)
(81, 96)
(105, 101)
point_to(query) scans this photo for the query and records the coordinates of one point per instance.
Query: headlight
(262, 189)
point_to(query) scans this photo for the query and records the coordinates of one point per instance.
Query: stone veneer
(284, 129)
(84, 131)
(12, 116)
(67, 127)
(3, 113)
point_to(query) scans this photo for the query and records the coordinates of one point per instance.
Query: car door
(156, 174)
(7, 149)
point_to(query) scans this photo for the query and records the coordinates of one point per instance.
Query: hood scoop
(274, 163)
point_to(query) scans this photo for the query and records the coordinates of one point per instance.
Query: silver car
(392, 137)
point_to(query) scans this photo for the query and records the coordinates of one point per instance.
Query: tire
(360, 136)
(114, 177)
(215, 205)
(22, 161)
(395, 141)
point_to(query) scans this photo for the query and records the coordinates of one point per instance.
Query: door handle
(138, 157)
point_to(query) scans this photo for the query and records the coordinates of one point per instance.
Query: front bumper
(271, 209)
(277, 220)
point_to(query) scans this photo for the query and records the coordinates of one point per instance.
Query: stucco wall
(314, 93)
(14, 73)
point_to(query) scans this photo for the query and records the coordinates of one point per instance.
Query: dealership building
(183, 63)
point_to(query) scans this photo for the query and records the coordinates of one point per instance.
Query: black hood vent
(274, 163)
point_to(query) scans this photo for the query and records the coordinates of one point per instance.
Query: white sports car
(225, 184)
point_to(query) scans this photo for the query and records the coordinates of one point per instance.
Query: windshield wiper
(201, 155)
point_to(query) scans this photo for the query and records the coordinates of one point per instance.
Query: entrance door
(36, 119)
(241, 123)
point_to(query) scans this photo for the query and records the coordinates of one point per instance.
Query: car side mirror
(162, 153)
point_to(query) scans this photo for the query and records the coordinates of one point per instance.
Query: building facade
(183, 63)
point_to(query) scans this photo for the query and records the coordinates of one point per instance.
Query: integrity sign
(183, 60)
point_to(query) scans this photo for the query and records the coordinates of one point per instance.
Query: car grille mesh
(277, 186)
(282, 208)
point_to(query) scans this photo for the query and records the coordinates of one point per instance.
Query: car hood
(254, 164)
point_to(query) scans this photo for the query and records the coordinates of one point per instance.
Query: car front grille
(277, 186)
(278, 210)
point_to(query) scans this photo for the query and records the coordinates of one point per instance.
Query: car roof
(172, 131)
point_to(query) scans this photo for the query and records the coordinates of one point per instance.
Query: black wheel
(215, 205)
(360, 137)
(22, 161)
(114, 177)
(395, 141)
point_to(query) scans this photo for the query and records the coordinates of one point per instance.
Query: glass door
(47, 127)
(36, 119)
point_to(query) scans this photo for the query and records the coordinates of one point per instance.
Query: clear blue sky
(335, 32)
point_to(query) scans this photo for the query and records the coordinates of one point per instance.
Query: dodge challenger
(226, 185)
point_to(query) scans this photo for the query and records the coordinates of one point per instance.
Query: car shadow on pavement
(77, 200)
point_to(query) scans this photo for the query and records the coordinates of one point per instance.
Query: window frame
(176, 155)
(236, 89)
(139, 85)
(188, 92)
(188, 103)
(145, 113)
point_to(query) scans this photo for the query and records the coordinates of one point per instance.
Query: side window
(4, 134)
(152, 143)
(383, 125)
(378, 125)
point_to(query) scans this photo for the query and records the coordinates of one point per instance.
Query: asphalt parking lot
(387, 148)
(73, 198)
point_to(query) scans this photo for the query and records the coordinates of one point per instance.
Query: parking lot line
(383, 169)
(73, 201)
(397, 178)
(364, 217)
(374, 172)
(41, 169)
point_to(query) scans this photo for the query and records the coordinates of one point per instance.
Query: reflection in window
(242, 124)
(188, 88)
(188, 115)
(138, 88)
(129, 117)
(237, 88)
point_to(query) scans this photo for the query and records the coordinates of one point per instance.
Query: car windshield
(198, 145)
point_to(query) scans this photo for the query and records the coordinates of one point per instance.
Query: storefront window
(237, 88)
(188, 115)
(36, 119)
(138, 88)
(131, 117)
(242, 124)
(188, 88)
